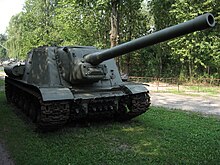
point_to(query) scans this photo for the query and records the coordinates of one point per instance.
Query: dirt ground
(5, 158)
(191, 100)
(202, 104)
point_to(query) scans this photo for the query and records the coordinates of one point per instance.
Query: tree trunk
(114, 33)
(114, 24)
(128, 56)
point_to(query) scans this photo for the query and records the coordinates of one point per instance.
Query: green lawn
(208, 89)
(2, 83)
(159, 136)
(193, 90)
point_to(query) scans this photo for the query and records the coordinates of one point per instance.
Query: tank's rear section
(33, 88)
(51, 92)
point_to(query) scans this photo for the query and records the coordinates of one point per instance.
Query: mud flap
(53, 94)
(135, 89)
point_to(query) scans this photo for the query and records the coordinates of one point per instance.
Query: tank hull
(118, 103)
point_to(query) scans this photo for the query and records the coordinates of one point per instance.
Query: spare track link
(47, 115)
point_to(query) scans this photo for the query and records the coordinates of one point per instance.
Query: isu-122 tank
(61, 84)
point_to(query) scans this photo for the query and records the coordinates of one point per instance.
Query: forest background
(106, 23)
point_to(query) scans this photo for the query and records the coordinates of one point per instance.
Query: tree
(83, 23)
(198, 53)
(134, 23)
(106, 23)
(3, 49)
(191, 55)
(162, 19)
(101, 23)
(14, 42)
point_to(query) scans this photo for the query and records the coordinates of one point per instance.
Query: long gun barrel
(199, 23)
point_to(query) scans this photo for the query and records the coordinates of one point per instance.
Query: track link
(133, 106)
(46, 115)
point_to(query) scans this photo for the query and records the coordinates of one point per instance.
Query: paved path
(205, 105)
(2, 75)
(5, 158)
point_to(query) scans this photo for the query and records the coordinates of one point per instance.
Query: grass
(209, 90)
(2, 83)
(159, 136)
(193, 91)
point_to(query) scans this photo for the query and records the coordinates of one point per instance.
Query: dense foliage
(3, 49)
(89, 22)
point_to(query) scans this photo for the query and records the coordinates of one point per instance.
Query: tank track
(133, 106)
(54, 114)
(47, 115)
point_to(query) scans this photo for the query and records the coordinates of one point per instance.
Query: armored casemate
(57, 85)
